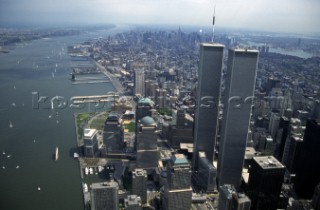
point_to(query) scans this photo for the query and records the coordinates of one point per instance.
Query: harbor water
(30, 178)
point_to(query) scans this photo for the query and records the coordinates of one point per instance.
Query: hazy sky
(298, 16)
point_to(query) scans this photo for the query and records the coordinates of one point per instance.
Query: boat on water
(57, 154)
(10, 124)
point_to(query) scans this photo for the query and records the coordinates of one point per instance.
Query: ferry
(57, 154)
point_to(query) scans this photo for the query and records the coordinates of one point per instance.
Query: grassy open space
(98, 122)
(131, 126)
(81, 121)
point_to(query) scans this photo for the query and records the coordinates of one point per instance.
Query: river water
(29, 136)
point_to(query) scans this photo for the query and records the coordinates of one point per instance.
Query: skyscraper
(265, 181)
(143, 108)
(111, 134)
(132, 202)
(104, 196)
(205, 178)
(230, 199)
(139, 86)
(139, 184)
(282, 136)
(90, 142)
(238, 98)
(307, 168)
(316, 198)
(206, 117)
(147, 148)
(178, 192)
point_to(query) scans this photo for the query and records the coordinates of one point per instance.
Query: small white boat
(8, 156)
(34, 141)
(39, 188)
(17, 167)
(91, 170)
(57, 154)
(4, 153)
(13, 104)
(3, 167)
(10, 124)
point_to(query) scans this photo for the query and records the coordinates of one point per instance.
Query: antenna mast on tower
(213, 19)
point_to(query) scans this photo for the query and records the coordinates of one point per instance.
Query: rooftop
(245, 50)
(89, 132)
(268, 162)
(178, 159)
(140, 172)
(147, 120)
(102, 185)
(210, 44)
(146, 101)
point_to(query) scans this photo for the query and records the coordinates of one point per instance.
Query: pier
(94, 99)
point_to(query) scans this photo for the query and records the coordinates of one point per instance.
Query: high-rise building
(139, 86)
(241, 202)
(179, 172)
(272, 83)
(150, 88)
(307, 169)
(230, 199)
(132, 202)
(208, 94)
(147, 148)
(205, 178)
(295, 130)
(139, 184)
(265, 181)
(161, 97)
(282, 134)
(294, 153)
(316, 198)
(111, 134)
(237, 101)
(274, 124)
(104, 196)
(90, 142)
(178, 192)
(143, 108)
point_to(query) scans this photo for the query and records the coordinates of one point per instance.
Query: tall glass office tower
(208, 92)
(237, 100)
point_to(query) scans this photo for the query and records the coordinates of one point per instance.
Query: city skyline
(291, 16)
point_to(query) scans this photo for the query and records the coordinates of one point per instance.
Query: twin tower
(237, 101)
